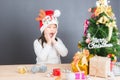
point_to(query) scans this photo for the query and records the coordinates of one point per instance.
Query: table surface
(9, 72)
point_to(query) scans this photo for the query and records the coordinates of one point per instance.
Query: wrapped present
(99, 66)
(56, 72)
(80, 62)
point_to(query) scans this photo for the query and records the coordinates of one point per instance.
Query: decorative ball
(112, 57)
(43, 68)
(57, 13)
(87, 40)
(22, 69)
(35, 69)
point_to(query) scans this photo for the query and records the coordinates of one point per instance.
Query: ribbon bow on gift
(80, 61)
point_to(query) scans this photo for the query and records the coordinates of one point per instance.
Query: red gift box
(56, 72)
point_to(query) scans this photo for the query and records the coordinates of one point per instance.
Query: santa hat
(48, 17)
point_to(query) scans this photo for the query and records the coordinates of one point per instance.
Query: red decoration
(56, 72)
(112, 65)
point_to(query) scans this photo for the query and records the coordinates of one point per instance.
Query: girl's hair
(42, 38)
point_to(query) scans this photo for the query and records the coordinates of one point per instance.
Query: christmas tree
(101, 35)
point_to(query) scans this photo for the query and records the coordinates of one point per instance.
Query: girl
(48, 48)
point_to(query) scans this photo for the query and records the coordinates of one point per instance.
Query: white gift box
(99, 66)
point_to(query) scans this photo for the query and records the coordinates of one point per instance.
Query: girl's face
(50, 30)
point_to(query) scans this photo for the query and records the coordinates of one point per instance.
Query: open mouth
(51, 34)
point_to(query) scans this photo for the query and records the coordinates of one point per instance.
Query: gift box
(80, 62)
(99, 66)
(56, 72)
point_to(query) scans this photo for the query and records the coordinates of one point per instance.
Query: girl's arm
(61, 48)
(41, 52)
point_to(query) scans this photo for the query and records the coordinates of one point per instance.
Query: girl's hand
(53, 38)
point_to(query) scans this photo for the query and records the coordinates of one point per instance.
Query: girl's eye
(54, 27)
(48, 27)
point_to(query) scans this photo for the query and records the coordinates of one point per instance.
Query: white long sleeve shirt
(49, 54)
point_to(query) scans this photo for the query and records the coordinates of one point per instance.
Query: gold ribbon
(80, 61)
(103, 7)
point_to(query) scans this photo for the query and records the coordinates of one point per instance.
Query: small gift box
(80, 75)
(99, 66)
(56, 72)
(43, 68)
